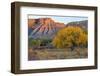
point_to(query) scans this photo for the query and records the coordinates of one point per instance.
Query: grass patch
(51, 54)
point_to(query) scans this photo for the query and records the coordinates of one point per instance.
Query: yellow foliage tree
(69, 37)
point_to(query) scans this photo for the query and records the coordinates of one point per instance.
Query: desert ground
(51, 54)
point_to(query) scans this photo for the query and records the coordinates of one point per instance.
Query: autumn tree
(71, 36)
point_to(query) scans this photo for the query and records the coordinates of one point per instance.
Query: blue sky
(62, 19)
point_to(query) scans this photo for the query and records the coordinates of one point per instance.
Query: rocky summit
(43, 28)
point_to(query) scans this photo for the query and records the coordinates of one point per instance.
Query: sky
(62, 19)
